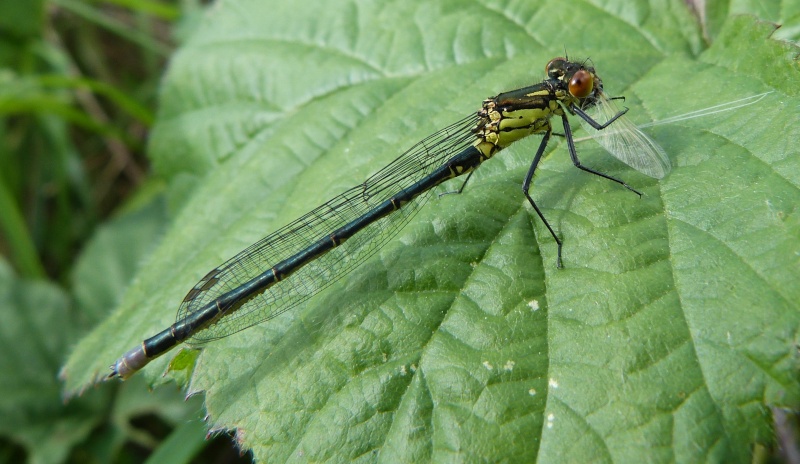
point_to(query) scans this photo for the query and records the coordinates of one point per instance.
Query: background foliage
(672, 332)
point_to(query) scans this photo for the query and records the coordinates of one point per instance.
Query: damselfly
(297, 261)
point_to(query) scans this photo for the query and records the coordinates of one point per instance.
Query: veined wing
(411, 166)
(625, 141)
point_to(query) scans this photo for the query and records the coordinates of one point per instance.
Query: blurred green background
(79, 84)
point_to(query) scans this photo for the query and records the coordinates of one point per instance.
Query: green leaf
(671, 330)
(35, 331)
(182, 444)
(110, 260)
(21, 20)
(40, 324)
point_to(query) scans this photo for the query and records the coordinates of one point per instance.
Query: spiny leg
(460, 189)
(574, 154)
(583, 115)
(527, 185)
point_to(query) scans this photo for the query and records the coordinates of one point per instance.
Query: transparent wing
(625, 141)
(308, 280)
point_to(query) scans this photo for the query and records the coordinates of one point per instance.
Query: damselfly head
(580, 80)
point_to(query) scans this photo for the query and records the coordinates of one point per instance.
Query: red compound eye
(581, 84)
